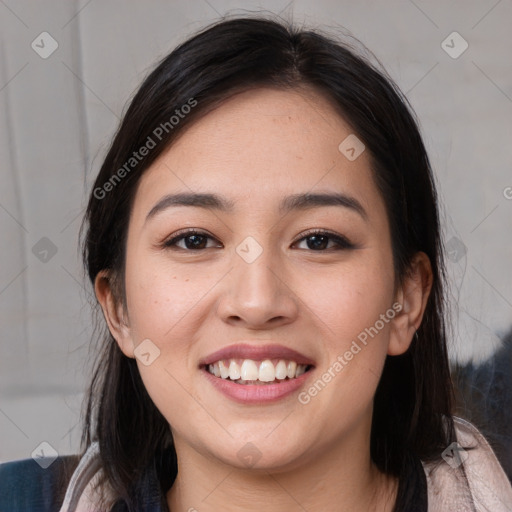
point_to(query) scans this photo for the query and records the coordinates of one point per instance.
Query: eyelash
(342, 242)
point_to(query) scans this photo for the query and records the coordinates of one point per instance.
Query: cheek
(161, 299)
(348, 309)
(168, 304)
(164, 308)
(351, 298)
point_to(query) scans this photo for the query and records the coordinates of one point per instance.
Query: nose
(258, 294)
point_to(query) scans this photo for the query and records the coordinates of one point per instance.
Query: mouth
(257, 372)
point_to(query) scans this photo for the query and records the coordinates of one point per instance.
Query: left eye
(316, 240)
(319, 240)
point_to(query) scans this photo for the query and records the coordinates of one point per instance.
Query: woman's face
(255, 281)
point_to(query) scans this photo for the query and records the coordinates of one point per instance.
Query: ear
(113, 312)
(413, 296)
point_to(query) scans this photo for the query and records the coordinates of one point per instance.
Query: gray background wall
(59, 112)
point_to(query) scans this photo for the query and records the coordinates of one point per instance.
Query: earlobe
(114, 313)
(413, 296)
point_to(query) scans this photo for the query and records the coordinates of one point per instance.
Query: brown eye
(319, 241)
(193, 240)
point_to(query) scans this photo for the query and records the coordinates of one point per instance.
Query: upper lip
(256, 353)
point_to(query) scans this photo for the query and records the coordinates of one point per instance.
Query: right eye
(194, 240)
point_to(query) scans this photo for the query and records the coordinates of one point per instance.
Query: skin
(256, 148)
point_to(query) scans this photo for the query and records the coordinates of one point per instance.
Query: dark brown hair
(413, 403)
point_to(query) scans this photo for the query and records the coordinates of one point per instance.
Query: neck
(340, 478)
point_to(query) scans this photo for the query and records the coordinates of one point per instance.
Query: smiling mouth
(254, 372)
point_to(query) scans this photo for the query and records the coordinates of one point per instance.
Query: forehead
(258, 146)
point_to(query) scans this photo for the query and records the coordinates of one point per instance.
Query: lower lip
(257, 393)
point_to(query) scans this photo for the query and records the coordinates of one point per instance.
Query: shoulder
(66, 484)
(37, 486)
(489, 487)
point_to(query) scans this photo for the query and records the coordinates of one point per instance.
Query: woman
(263, 239)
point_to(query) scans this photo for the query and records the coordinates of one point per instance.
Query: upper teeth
(264, 371)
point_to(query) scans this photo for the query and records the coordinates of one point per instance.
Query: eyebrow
(294, 202)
